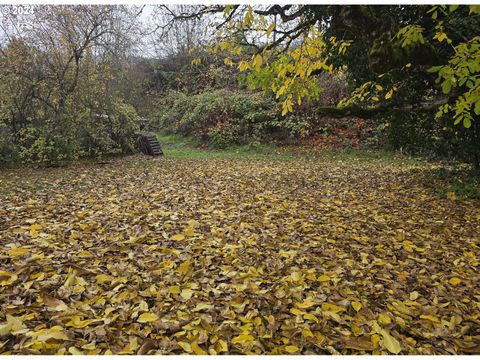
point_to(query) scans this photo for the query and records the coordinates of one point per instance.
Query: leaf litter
(235, 257)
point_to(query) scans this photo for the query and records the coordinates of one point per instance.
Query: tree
(174, 38)
(57, 69)
(396, 49)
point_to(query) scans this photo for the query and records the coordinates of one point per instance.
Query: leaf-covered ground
(235, 256)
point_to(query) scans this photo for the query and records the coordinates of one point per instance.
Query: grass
(442, 179)
(183, 147)
(457, 182)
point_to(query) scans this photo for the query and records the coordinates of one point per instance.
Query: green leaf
(474, 9)
(476, 110)
(453, 7)
(434, 69)
(446, 86)
(467, 122)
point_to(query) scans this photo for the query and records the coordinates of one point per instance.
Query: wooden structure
(148, 143)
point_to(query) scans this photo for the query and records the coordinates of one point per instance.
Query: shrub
(219, 117)
(68, 137)
(419, 133)
(9, 151)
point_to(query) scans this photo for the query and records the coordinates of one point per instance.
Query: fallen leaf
(15, 252)
(7, 278)
(390, 343)
(455, 281)
(356, 305)
(291, 349)
(186, 294)
(197, 349)
(147, 317)
(178, 237)
(242, 339)
(305, 304)
(414, 295)
(185, 346)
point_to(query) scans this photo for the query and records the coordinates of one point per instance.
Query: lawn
(245, 251)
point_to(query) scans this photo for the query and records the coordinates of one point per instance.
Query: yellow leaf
(90, 346)
(13, 324)
(55, 332)
(455, 281)
(7, 278)
(257, 61)
(17, 252)
(307, 333)
(389, 94)
(295, 276)
(85, 254)
(390, 343)
(147, 317)
(196, 61)
(429, 317)
(193, 223)
(356, 305)
(414, 295)
(202, 306)
(34, 229)
(174, 289)
(243, 65)
(178, 237)
(281, 91)
(296, 312)
(310, 317)
(184, 267)
(324, 278)
(102, 278)
(270, 29)
(291, 349)
(304, 305)
(74, 351)
(189, 232)
(222, 346)
(197, 349)
(332, 307)
(186, 294)
(185, 346)
(451, 195)
(242, 338)
(77, 323)
(379, 87)
(384, 319)
(311, 277)
(89, 200)
(408, 65)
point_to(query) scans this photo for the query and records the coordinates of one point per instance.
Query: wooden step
(148, 144)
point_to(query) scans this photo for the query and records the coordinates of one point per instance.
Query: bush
(219, 117)
(9, 151)
(419, 133)
(85, 133)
